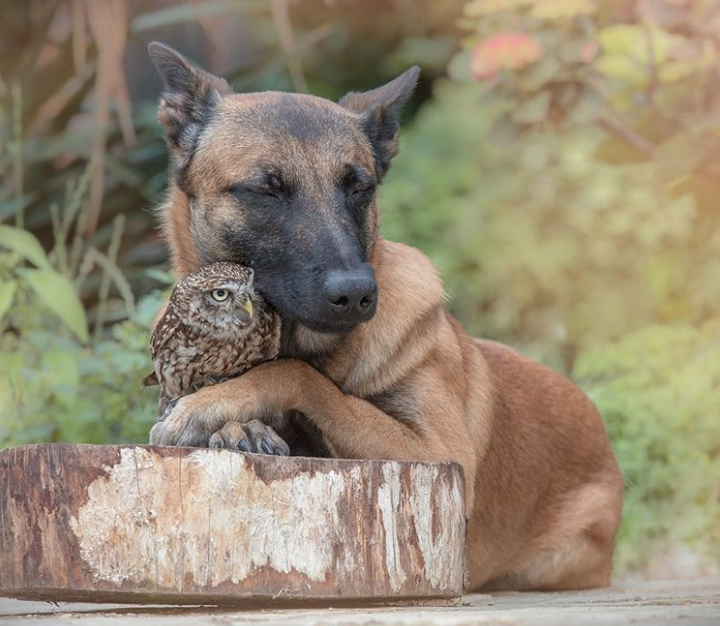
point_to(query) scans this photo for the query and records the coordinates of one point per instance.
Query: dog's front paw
(193, 420)
(254, 436)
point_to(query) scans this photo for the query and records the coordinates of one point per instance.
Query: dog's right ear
(190, 96)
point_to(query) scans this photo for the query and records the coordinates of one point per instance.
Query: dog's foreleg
(351, 426)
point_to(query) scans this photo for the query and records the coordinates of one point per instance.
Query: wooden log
(196, 526)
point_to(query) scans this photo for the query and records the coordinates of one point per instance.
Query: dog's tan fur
(544, 492)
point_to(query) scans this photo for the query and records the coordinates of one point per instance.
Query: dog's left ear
(379, 110)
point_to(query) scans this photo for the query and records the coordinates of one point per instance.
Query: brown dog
(286, 184)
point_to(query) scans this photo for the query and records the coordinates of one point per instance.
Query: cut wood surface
(187, 525)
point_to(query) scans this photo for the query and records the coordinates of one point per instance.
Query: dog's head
(284, 183)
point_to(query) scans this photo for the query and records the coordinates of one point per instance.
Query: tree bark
(188, 526)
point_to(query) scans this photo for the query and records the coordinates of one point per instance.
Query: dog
(286, 183)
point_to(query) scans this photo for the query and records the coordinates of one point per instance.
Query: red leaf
(509, 50)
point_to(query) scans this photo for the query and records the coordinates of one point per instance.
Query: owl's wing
(150, 380)
(166, 327)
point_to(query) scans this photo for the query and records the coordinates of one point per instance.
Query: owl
(215, 327)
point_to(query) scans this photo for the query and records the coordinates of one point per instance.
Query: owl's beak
(248, 308)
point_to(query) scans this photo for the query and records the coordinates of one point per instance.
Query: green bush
(56, 388)
(57, 383)
(541, 244)
(658, 391)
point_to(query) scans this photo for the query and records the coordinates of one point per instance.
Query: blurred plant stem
(18, 178)
(281, 16)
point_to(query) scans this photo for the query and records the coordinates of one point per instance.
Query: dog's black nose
(351, 294)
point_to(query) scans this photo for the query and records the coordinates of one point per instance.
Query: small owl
(215, 327)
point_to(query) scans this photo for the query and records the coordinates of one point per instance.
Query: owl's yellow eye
(220, 294)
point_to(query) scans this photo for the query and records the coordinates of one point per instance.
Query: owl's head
(218, 298)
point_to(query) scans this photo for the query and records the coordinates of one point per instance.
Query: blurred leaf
(533, 110)
(588, 107)
(192, 12)
(504, 131)
(432, 52)
(539, 74)
(115, 273)
(631, 52)
(705, 192)
(459, 67)
(62, 366)
(680, 155)
(479, 8)
(10, 207)
(562, 9)
(618, 152)
(656, 389)
(676, 70)
(623, 68)
(574, 50)
(162, 277)
(25, 244)
(7, 293)
(641, 44)
(620, 39)
(58, 294)
(686, 60)
(504, 51)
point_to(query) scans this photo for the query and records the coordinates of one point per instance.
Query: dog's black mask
(285, 183)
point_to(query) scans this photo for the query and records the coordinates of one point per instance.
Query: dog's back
(548, 495)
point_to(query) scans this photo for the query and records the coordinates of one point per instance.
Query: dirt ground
(686, 603)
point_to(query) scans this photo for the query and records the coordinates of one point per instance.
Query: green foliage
(48, 286)
(25, 245)
(657, 389)
(55, 388)
(56, 384)
(645, 72)
(532, 253)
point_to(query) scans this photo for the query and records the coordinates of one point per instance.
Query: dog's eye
(243, 190)
(357, 183)
(268, 192)
(274, 183)
(358, 189)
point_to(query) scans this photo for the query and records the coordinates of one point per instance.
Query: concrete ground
(686, 603)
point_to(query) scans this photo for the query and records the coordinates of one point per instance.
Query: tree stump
(197, 526)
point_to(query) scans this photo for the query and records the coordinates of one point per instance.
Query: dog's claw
(243, 445)
(254, 436)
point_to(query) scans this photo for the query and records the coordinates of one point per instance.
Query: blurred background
(560, 163)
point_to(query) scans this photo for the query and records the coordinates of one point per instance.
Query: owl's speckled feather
(201, 340)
